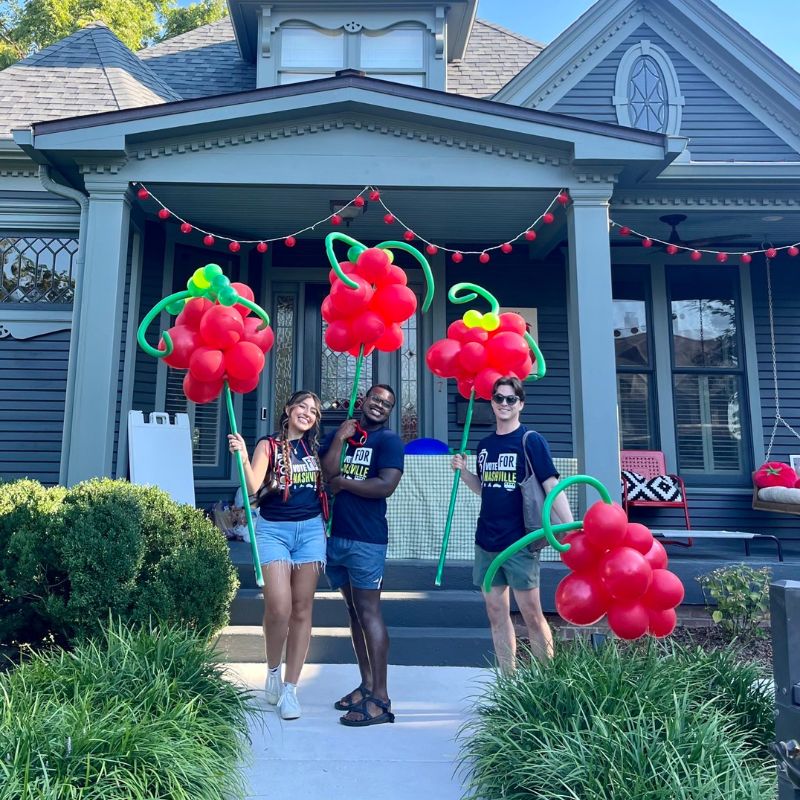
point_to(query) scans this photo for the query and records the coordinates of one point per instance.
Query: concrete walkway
(315, 756)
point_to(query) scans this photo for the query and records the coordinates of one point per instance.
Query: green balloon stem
(149, 317)
(422, 261)
(351, 407)
(473, 291)
(256, 309)
(547, 530)
(454, 491)
(245, 494)
(334, 262)
(541, 367)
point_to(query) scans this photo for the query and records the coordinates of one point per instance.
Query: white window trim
(675, 100)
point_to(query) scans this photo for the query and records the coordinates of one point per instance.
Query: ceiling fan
(674, 220)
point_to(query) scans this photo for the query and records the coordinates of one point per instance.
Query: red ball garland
(186, 227)
(290, 241)
(234, 247)
(208, 240)
(483, 258)
(143, 194)
(262, 247)
(388, 218)
(163, 213)
(457, 258)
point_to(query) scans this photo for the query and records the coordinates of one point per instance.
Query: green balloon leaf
(227, 296)
(175, 308)
(354, 252)
(210, 271)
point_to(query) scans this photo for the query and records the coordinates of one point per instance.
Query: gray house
(663, 115)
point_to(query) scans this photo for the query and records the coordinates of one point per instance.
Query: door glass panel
(283, 352)
(337, 373)
(409, 389)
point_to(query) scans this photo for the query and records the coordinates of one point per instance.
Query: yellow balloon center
(490, 322)
(473, 318)
(389, 254)
(200, 280)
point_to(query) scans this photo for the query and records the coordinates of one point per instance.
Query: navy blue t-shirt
(362, 518)
(303, 501)
(501, 468)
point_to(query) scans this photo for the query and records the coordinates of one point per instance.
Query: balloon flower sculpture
(616, 568)
(480, 349)
(369, 301)
(221, 346)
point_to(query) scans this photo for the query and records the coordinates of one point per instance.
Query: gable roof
(494, 56)
(206, 61)
(85, 73)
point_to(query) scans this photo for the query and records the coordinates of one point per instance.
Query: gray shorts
(521, 571)
(359, 564)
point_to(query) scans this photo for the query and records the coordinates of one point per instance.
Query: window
(708, 374)
(310, 53)
(647, 93)
(634, 360)
(37, 269)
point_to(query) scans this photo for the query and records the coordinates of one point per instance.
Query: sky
(775, 22)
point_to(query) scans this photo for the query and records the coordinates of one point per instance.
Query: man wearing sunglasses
(372, 468)
(501, 468)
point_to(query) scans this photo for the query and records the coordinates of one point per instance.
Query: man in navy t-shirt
(372, 468)
(501, 468)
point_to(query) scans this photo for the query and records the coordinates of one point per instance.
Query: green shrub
(625, 723)
(741, 596)
(71, 557)
(136, 713)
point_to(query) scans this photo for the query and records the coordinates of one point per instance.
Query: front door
(301, 359)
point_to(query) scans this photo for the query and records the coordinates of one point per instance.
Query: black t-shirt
(501, 468)
(362, 518)
(303, 501)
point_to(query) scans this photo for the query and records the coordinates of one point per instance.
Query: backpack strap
(528, 462)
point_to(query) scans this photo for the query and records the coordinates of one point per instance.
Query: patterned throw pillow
(662, 488)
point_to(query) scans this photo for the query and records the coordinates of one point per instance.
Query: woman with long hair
(285, 475)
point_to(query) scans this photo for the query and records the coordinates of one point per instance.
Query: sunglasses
(508, 399)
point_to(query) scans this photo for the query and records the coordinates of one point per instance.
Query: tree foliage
(27, 26)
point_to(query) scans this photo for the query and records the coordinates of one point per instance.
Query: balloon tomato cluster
(618, 569)
(479, 349)
(216, 340)
(370, 315)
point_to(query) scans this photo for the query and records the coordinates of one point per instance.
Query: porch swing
(778, 499)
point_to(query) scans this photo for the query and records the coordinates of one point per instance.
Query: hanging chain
(779, 420)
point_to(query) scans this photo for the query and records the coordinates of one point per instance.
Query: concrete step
(451, 647)
(421, 609)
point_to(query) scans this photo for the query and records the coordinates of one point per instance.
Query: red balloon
(628, 620)
(475, 335)
(472, 357)
(509, 321)
(193, 312)
(367, 327)
(581, 599)
(638, 537)
(394, 275)
(605, 525)
(484, 382)
(464, 387)
(339, 336)
(261, 339)
(348, 267)
(457, 330)
(350, 301)
(625, 573)
(200, 392)
(184, 342)
(524, 369)
(391, 339)
(207, 364)
(328, 310)
(373, 264)
(507, 351)
(243, 360)
(221, 327)
(442, 357)
(662, 623)
(245, 386)
(355, 350)
(580, 557)
(243, 290)
(656, 556)
(666, 591)
(395, 303)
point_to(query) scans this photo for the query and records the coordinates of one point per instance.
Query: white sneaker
(288, 704)
(273, 686)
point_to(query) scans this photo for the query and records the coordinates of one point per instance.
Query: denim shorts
(521, 571)
(359, 564)
(299, 542)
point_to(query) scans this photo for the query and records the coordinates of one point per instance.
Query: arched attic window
(647, 94)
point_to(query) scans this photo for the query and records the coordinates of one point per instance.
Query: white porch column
(591, 340)
(96, 332)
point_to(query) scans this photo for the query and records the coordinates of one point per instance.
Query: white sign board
(160, 454)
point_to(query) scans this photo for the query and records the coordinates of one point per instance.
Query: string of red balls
(547, 217)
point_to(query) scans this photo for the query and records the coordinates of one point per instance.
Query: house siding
(33, 379)
(718, 127)
(525, 284)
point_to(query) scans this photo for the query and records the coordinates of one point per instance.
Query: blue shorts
(299, 542)
(359, 564)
